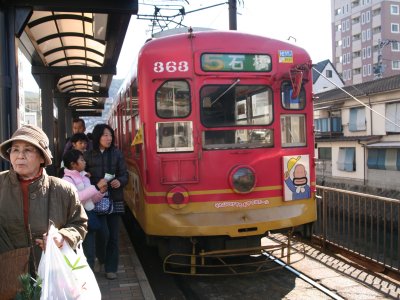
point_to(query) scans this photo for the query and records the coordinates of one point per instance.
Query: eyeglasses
(28, 151)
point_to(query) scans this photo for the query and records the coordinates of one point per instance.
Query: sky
(305, 23)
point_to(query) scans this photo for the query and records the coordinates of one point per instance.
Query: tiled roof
(365, 88)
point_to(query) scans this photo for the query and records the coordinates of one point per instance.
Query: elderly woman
(30, 199)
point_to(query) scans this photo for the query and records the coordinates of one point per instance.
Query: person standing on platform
(78, 126)
(89, 194)
(79, 141)
(29, 198)
(106, 161)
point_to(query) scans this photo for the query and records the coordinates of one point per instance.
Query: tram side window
(138, 139)
(173, 99)
(293, 130)
(287, 101)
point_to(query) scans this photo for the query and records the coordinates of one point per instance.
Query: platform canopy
(76, 43)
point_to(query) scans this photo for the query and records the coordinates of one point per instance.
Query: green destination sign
(230, 62)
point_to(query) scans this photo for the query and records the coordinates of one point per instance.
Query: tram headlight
(177, 197)
(242, 179)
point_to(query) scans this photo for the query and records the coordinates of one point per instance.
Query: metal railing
(366, 225)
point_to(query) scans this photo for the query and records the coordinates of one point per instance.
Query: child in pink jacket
(89, 194)
(74, 173)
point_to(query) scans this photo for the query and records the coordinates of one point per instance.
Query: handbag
(13, 264)
(104, 206)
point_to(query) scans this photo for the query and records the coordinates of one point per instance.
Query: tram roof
(76, 42)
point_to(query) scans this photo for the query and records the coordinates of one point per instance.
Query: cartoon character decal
(296, 177)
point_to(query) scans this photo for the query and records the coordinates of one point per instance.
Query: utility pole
(380, 67)
(232, 15)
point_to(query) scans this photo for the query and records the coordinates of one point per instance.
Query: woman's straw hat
(33, 135)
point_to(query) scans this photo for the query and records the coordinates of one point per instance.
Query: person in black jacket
(106, 161)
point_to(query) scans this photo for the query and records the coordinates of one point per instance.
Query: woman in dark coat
(106, 161)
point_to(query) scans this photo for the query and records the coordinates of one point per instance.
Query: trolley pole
(232, 15)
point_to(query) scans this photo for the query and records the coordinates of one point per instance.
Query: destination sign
(229, 62)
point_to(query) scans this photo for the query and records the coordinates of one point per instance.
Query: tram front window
(236, 105)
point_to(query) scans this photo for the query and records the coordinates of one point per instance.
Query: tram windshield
(236, 105)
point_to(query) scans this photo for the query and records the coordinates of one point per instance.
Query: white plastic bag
(66, 274)
(82, 272)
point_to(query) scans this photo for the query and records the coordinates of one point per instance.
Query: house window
(346, 160)
(357, 119)
(369, 51)
(356, 54)
(394, 9)
(322, 125)
(384, 159)
(396, 46)
(365, 34)
(325, 153)
(376, 12)
(395, 65)
(336, 124)
(394, 27)
(328, 73)
(376, 30)
(393, 114)
(355, 20)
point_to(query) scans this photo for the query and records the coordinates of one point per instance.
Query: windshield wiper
(227, 90)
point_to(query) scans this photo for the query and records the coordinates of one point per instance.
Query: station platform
(131, 282)
(345, 278)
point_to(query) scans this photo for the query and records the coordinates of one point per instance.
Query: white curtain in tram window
(357, 119)
(393, 114)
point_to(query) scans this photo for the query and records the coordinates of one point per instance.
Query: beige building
(366, 39)
(358, 136)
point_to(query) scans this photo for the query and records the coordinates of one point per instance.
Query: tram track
(305, 278)
(318, 276)
(278, 284)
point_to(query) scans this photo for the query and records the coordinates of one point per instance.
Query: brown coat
(50, 198)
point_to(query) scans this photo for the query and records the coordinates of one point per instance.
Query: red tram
(217, 131)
